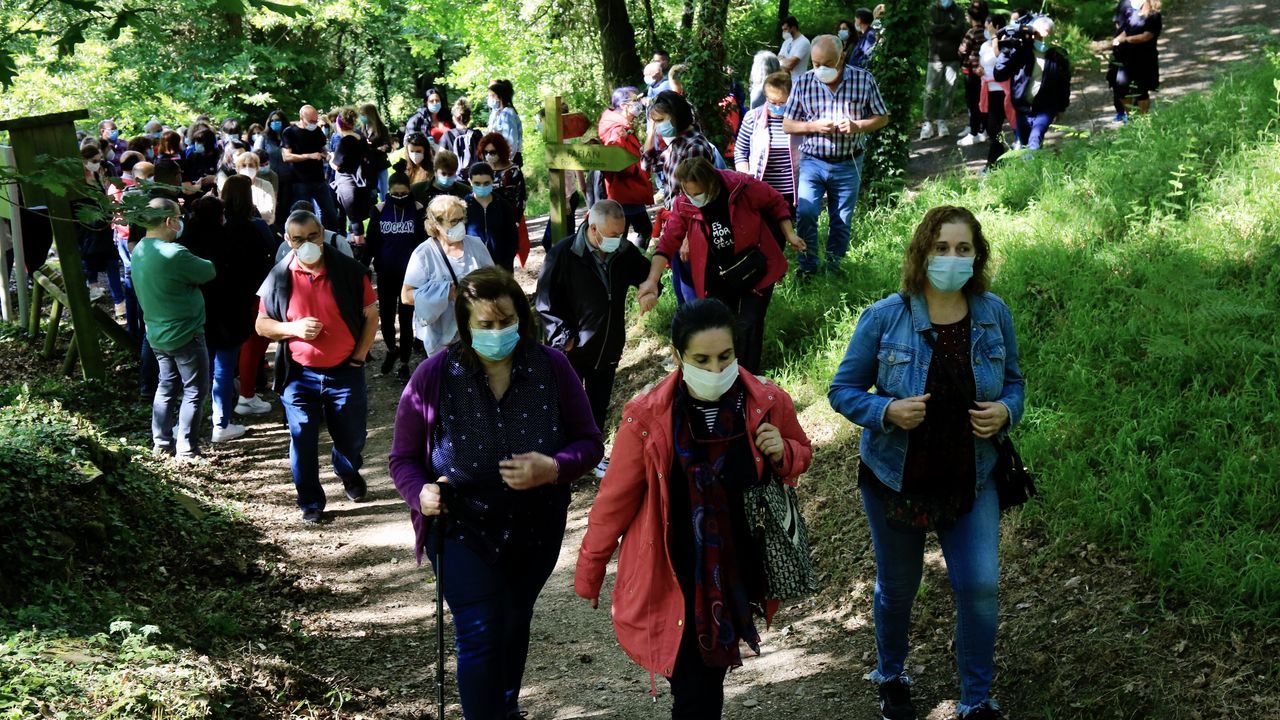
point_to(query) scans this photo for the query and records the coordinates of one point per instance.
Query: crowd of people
(319, 232)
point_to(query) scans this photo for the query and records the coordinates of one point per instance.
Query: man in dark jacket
(582, 297)
(320, 306)
(947, 25)
(1041, 81)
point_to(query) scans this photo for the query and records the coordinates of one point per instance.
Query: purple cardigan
(416, 420)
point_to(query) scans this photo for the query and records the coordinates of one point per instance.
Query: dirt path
(366, 622)
(1201, 38)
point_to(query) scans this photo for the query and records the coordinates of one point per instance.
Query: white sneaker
(1017, 145)
(965, 131)
(942, 128)
(982, 137)
(252, 406)
(967, 141)
(230, 432)
(926, 130)
(602, 468)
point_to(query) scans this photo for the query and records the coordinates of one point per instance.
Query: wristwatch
(355, 363)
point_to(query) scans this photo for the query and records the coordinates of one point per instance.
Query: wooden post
(34, 140)
(553, 135)
(33, 311)
(51, 335)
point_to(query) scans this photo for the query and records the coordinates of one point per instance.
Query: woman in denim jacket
(931, 375)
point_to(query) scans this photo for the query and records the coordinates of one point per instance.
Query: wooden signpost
(54, 136)
(561, 157)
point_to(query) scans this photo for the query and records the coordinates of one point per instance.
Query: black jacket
(586, 302)
(1016, 63)
(946, 29)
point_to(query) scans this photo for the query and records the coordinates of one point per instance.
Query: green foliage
(898, 66)
(1142, 270)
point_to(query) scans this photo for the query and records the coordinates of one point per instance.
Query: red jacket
(648, 607)
(751, 203)
(631, 186)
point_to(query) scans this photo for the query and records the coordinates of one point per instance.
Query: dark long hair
(915, 266)
(488, 285)
(696, 316)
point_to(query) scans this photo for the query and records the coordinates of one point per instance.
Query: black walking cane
(438, 527)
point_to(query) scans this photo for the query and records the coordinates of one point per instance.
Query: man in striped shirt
(832, 105)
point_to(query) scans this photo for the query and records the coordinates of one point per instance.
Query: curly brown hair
(499, 144)
(915, 265)
(489, 284)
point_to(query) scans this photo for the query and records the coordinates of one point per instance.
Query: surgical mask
(826, 74)
(949, 273)
(444, 180)
(1137, 4)
(495, 344)
(610, 244)
(776, 109)
(248, 171)
(987, 34)
(276, 125)
(417, 157)
(325, 130)
(456, 232)
(946, 3)
(364, 119)
(92, 166)
(699, 200)
(494, 105)
(665, 128)
(482, 191)
(156, 136)
(264, 170)
(707, 385)
(433, 107)
(491, 158)
(182, 227)
(1041, 46)
(309, 253)
(310, 126)
(843, 35)
(196, 148)
(634, 110)
(151, 154)
(785, 36)
(113, 135)
(651, 80)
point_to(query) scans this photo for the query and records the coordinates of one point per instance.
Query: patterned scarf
(721, 606)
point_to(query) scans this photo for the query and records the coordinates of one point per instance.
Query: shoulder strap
(448, 265)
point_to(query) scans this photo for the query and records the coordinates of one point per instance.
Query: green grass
(1143, 270)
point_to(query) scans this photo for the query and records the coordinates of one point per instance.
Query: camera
(1017, 35)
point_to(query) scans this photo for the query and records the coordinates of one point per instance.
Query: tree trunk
(705, 80)
(651, 33)
(617, 43)
(784, 9)
(686, 19)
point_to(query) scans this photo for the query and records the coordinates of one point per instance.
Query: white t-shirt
(433, 320)
(797, 47)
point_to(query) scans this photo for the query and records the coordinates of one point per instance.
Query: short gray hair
(298, 218)
(604, 211)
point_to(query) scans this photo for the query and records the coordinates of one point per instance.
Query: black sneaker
(312, 516)
(985, 711)
(388, 364)
(356, 487)
(895, 700)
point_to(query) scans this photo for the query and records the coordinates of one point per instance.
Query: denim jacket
(889, 351)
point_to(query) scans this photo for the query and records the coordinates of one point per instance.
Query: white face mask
(417, 157)
(92, 166)
(826, 74)
(456, 232)
(249, 172)
(699, 200)
(1137, 4)
(707, 385)
(609, 244)
(309, 253)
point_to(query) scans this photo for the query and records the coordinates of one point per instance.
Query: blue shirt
(889, 352)
(857, 97)
(506, 122)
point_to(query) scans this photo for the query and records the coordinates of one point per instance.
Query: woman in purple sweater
(503, 423)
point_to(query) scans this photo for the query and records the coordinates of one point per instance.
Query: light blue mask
(1041, 46)
(610, 244)
(946, 3)
(949, 273)
(276, 126)
(665, 128)
(444, 181)
(495, 344)
(482, 191)
(364, 119)
(987, 34)
(433, 107)
(776, 109)
(699, 200)
(843, 35)
(494, 105)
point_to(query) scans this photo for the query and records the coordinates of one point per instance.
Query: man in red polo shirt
(320, 306)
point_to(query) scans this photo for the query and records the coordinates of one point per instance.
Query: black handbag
(746, 270)
(1014, 483)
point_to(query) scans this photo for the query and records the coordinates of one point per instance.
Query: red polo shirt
(312, 296)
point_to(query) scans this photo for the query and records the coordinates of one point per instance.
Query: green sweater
(166, 277)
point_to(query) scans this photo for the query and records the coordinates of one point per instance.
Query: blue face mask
(494, 105)
(364, 120)
(197, 148)
(1041, 46)
(776, 109)
(495, 344)
(946, 3)
(949, 273)
(482, 191)
(151, 154)
(843, 35)
(156, 136)
(113, 135)
(444, 181)
(987, 34)
(433, 107)
(276, 125)
(665, 128)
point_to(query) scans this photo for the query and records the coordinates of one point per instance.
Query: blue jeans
(492, 608)
(338, 398)
(681, 282)
(226, 361)
(973, 564)
(319, 194)
(383, 177)
(1031, 129)
(180, 392)
(111, 268)
(840, 183)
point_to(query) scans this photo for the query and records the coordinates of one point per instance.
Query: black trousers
(750, 309)
(972, 98)
(697, 691)
(391, 309)
(995, 123)
(598, 383)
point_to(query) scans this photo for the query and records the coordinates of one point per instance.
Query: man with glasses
(319, 305)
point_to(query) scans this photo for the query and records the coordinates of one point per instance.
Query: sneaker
(356, 487)
(985, 711)
(1017, 145)
(1122, 117)
(312, 516)
(942, 128)
(982, 137)
(967, 141)
(252, 406)
(162, 451)
(602, 468)
(230, 432)
(388, 364)
(895, 700)
(926, 131)
(965, 132)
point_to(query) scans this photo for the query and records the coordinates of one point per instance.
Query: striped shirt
(777, 170)
(857, 97)
(506, 122)
(682, 147)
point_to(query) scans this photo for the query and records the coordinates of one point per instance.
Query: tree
(617, 43)
(897, 65)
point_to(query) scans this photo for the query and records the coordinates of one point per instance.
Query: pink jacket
(648, 607)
